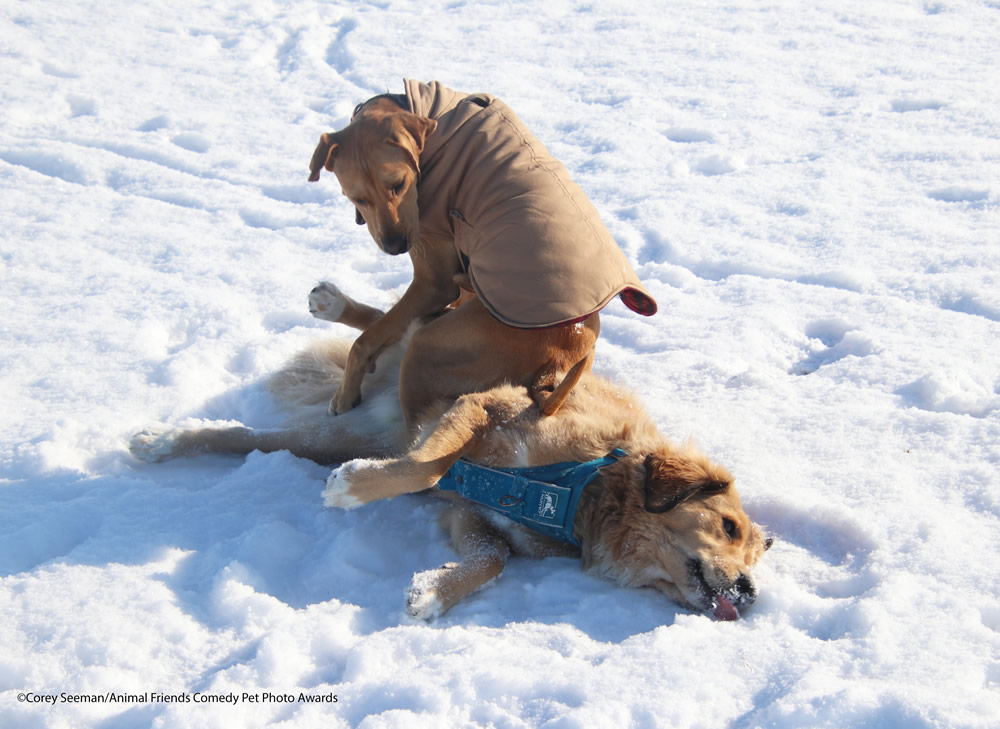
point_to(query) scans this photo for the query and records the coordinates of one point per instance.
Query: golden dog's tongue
(724, 610)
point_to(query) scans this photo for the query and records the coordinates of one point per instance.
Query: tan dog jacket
(534, 246)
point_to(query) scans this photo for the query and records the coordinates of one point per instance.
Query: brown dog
(460, 184)
(657, 515)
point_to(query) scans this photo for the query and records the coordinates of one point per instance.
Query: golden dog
(457, 182)
(659, 515)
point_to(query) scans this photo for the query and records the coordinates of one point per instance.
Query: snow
(810, 190)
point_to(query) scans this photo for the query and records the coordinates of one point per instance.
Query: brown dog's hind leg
(468, 350)
(483, 553)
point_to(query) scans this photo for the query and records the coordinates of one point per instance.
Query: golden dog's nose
(745, 591)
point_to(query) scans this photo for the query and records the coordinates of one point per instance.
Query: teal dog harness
(542, 498)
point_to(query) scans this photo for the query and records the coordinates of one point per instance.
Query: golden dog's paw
(422, 599)
(326, 302)
(154, 444)
(344, 484)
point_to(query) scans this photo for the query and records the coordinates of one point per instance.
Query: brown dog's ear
(358, 217)
(415, 130)
(418, 127)
(323, 155)
(670, 482)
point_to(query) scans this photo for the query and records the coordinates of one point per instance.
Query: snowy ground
(811, 191)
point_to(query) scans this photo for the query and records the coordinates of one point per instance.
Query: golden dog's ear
(358, 217)
(670, 482)
(323, 155)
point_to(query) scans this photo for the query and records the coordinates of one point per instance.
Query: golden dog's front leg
(483, 553)
(364, 480)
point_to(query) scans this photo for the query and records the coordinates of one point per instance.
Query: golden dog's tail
(312, 376)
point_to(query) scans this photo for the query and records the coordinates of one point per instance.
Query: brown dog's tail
(550, 402)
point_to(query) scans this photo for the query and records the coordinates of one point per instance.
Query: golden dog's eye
(397, 189)
(361, 203)
(729, 526)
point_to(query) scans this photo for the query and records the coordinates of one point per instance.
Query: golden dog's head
(377, 161)
(673, 521)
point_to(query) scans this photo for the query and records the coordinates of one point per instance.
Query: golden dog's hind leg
(483, 553)
(321, 442)
(329, 303)
(362, 481)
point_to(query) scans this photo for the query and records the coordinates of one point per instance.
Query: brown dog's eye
(397, 189)
(729, 526)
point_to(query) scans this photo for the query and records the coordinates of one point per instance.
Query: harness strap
(542, 498)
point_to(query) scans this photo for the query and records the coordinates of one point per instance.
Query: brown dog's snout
(395, 244)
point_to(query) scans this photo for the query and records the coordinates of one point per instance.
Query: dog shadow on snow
(258, 521)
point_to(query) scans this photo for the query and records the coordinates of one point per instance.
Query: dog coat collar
(542, 498)
(400, 100)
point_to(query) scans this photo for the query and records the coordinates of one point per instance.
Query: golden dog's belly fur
(663, 516)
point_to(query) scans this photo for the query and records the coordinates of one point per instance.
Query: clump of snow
(809, 190)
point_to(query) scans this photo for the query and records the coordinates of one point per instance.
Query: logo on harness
(547, 505)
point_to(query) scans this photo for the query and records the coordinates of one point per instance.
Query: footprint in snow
(791, 209)
(338, 57)
(268, 221)
(713, 166)
(192, 142)
(827, 555)
(837, 340)
(960, 194)
(953, 392)
(50, 69)
(81, 106)
(905, 105)
(686, 135)
(50, 164)
(973, 304)
(155, 124)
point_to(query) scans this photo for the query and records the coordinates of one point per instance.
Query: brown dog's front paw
(339, 406)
